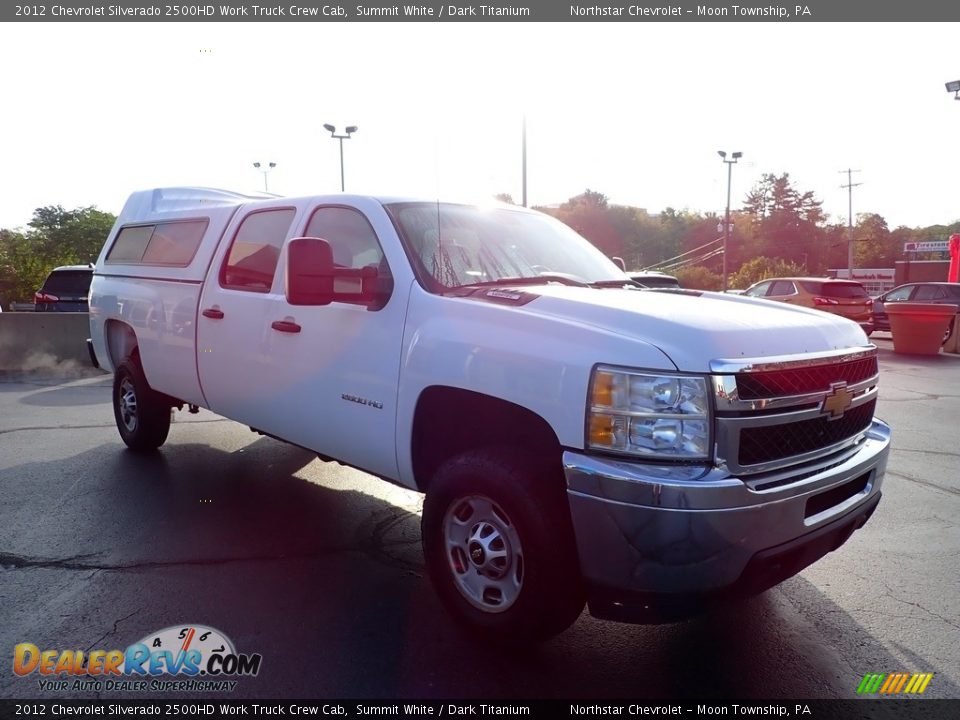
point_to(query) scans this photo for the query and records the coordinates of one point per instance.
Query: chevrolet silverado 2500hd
(577, 437)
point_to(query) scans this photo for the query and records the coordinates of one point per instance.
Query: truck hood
(692, 328)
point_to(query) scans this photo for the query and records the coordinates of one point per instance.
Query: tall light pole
(265, 170)
(349, 130)
(726, 222)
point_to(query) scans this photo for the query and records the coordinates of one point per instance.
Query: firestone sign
(927, 246)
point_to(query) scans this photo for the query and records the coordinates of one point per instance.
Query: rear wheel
(499, 546)
(143, 418)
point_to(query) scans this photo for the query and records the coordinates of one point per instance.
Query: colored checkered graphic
(894, 683)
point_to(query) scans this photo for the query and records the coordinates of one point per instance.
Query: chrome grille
(775, 413)
(779, 383)
(775, 442)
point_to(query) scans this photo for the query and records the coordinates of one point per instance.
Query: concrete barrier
(46, 342)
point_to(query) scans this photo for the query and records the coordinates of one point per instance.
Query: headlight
(651, 415)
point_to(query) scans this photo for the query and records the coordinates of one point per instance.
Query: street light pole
(726, 222)
(268, 168)
(349, 130)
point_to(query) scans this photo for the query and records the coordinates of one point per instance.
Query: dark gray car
(939, 293)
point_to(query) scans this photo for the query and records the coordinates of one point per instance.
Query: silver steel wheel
(127, 403)
(484, 553)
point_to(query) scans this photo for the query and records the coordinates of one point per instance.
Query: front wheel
(143, 419)
(499, 546)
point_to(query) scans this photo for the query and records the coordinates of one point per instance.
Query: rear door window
(252, 260)
(929, 292)
(782, 287)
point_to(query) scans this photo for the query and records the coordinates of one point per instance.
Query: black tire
(499, 546)
(143, 418)
(949, 332)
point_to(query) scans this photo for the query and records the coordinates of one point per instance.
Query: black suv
(65, 290)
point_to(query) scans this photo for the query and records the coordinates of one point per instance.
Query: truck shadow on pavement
(300, 561)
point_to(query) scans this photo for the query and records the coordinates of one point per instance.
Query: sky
(94, 111)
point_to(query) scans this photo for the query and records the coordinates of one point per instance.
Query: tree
(785, 222)
(762, 268)
(873, 244)
(588, 214)
(70, 236)
(774, 195)
(54, 236)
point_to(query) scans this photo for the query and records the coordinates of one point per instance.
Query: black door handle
(213, 313)
(285, 326)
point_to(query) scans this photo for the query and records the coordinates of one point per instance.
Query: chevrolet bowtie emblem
(837, 401)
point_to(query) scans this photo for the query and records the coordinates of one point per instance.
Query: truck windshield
(453, 246)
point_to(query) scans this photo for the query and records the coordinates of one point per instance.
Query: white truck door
(337, 365)
(234, 337)
(327, 375)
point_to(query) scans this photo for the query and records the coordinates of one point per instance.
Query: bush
(762, 268)
(699, 278)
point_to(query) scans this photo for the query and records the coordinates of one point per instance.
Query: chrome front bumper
(653, 534)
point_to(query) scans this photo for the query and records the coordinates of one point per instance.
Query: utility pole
(850, 186)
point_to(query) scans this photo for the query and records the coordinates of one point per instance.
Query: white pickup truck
(577, 437)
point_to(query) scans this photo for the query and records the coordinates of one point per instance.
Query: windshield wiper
(532, 280)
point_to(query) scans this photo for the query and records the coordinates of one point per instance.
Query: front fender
(514, 353)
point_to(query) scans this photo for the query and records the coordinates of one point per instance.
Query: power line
(693, 260)
(677, 257)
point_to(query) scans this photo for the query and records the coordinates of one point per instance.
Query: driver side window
(354, 245)
(350, 236)
(899, 295)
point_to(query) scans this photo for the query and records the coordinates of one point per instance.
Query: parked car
(846, 298)
(938, 293)
(65, 290)
(654, 279)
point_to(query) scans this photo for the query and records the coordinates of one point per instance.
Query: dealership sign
(927, 246)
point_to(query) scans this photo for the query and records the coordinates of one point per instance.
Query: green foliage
(699, 278)
(762, 268)
(774, 197)
(780, 221)
(54, 237)
(590, 216)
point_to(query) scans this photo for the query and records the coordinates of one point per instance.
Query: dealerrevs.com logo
(200, 658)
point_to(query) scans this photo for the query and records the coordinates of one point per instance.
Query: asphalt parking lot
(318, 568)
